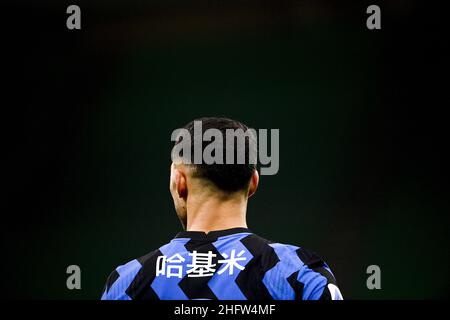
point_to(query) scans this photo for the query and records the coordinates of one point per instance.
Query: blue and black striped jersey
(232, 264)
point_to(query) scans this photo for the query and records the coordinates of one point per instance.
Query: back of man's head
(225, 176)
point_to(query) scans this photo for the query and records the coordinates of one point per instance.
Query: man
(218, 257)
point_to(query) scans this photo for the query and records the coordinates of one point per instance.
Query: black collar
(210, 235)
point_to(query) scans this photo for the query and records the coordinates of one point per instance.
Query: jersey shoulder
(132, 280)
(299, 274)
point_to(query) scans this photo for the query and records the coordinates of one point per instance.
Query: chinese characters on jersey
(202, 264)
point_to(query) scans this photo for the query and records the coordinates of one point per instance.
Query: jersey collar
(212, 234)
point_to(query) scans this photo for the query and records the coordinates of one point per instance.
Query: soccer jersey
(232, 264)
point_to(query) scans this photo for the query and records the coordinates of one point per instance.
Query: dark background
(88, 115)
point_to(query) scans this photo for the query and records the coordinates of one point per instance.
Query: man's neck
(211, 214)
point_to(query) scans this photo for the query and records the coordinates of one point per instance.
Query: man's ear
(253, 183)
(181, 183)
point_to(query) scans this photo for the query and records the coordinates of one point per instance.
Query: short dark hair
(226, 177)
